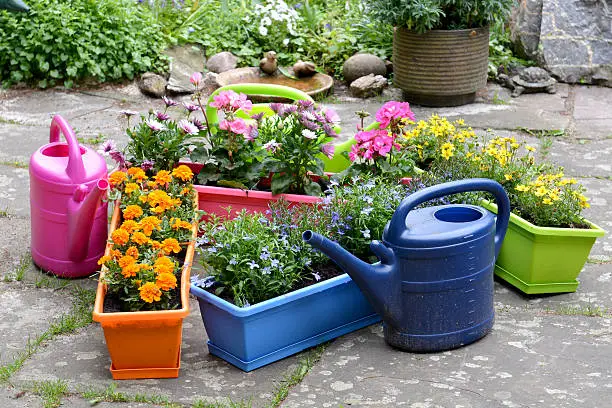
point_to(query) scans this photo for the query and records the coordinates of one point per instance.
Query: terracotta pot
(144, 344)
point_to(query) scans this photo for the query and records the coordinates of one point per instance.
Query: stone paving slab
(584, 158)
(25, 312)
(528, 360)
(14, 398)
(82, 360)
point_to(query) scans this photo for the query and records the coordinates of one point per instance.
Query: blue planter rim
(270, 303)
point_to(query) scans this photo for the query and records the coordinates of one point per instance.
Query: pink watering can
(69, 221)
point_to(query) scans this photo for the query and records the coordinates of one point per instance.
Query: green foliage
(500, 50)
(62, 42)
(424, 15)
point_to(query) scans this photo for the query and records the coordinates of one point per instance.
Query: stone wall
(570, 38)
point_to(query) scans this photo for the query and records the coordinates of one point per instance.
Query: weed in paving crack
(229, 403)
(18, 274)
(51, 392)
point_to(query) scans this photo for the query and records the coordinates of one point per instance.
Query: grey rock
(361, 65)
(368, 86)
(525, 27)
(152, 84)
(221, 62)
(558, 51)
(210, 83)
(185, 60)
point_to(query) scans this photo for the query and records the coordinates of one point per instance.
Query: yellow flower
(182, 172)
(547, 201)
(170, 245)
(521, 187)
(104, 260)
(150, 292)
(137, 173)
(163, 265)
(139, 238)
(530, 148)
(150, 223)
(177, 223)
(163, 177)
(540, 191)
(117, 178)
(132, 211)
(120, 236)
(447, 150)
(508, 177)
(166, 281)
(131, 187)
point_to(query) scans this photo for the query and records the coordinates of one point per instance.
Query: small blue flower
(233, 261)
(335, 217)
(264, 256)
(366, 233)
(367, 210)
(316, 276)
(212, 250)
(267, 270)
(252, 265)
(296, 248)
(274, 263)
(367, 199)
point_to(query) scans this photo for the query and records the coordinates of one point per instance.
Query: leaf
(312, 189)
(281, 183)
(286, 73)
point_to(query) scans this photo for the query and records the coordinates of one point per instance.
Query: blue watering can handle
(398, 222)
(75, 168)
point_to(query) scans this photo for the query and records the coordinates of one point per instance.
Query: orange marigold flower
(120, 236)
(145, 267)
(150, 292)
(116, 178)
(126, 260)
(137, 173)
(116, 254)
(166, 281)
(130, 226)
(161, 199)
(163, 265)
(132, 251)
(162, 177)
(140, 238)
(150, 223)
(182, 172)
(185, 191)
(156, 245)
(143, 198)
(104, 260)
(177, 223)
(132, 211)
(170, 245)
(131, 187)
(129, 271)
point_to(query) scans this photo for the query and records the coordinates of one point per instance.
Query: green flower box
(540, 260)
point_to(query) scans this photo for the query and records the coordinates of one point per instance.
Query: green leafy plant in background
(424, 15)
(62, 42)
(500, 50)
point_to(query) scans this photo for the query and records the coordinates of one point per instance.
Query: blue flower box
(251, 337)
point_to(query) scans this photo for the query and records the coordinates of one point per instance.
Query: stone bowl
(318, 85)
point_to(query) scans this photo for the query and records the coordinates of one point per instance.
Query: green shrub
(69, 40)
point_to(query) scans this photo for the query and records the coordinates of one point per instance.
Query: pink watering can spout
(81, 213)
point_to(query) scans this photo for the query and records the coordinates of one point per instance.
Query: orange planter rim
(116, 317)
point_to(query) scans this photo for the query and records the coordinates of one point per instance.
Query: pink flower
(231, 101)
(251, 133)
(332, 116)
(393, 110)
(169, 102)
(191, 107)
(354, 153)
(155, 125)
(328, 149)
(195, 78)
(237, 126)
(188, 127)
(271, 146)
(162, 116)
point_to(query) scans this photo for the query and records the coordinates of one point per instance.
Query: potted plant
(267, 295)
(440, 48)
(548, 240)
(143, 290)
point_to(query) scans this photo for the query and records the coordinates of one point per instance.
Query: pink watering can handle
(75, 168)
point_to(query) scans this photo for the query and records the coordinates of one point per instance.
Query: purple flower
(274, 263)
(289, 109)
(190, 107)
(233, 261)
(252, 265)
(258, 117)
(251, 133)
(107, 147)
(332, 116)
(308, 124)
(155, 125)
(147, 165)
(162, 116)
(118, 157)
(277, 107)
(328, 149)
(304, 104)
(188, 127)
(271, 146)
(329, 131)
(198, 123)
(267, 270)
(128, 113)
(169, 102)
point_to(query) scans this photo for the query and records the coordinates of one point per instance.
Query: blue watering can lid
(441, 226)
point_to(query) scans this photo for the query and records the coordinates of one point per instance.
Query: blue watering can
(433, 285)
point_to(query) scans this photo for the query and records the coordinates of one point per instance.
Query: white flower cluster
(276, 11)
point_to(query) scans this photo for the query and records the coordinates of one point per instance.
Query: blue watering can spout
(373, 280)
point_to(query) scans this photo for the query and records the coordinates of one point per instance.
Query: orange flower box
(145, 344)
